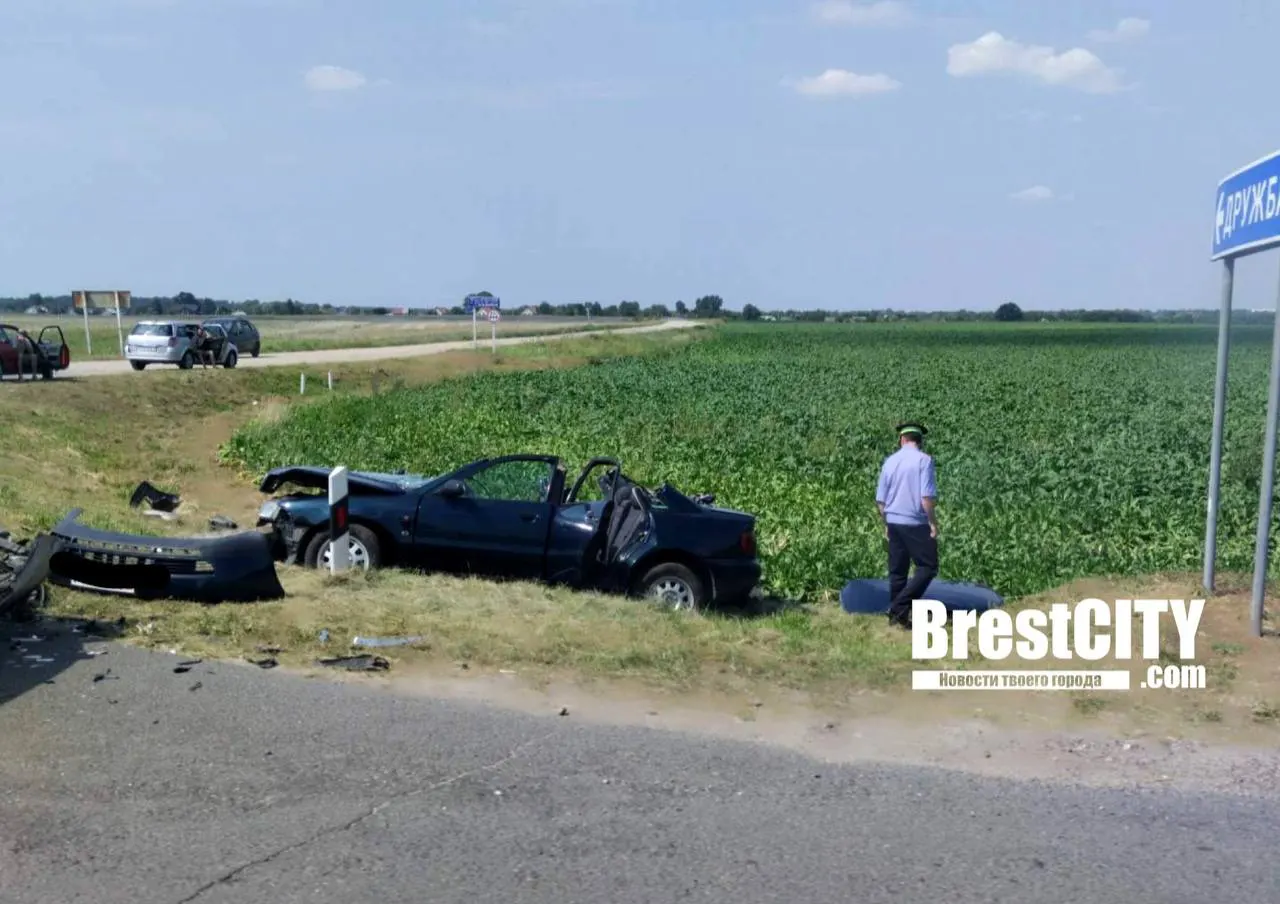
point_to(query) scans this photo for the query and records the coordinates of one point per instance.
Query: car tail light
(747, 542)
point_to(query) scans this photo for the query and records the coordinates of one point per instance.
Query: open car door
(606, 529)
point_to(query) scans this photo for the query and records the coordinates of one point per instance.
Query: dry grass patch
(517, 625)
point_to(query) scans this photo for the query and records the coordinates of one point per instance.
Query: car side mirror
(452, 489)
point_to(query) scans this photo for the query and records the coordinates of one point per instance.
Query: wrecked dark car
(515, 517)
(232, 568)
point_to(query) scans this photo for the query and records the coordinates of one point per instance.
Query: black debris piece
(222, 522)
(182, 667)
(95, 628)
(24, 568)
(197, 685)
(156, 499)
(356, 663)
(104, 676)
(268, 663)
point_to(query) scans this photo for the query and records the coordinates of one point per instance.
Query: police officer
(906, 496)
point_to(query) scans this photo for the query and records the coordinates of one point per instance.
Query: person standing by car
(906, 496)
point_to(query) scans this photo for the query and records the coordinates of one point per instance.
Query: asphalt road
(231, 784)
(348, 355)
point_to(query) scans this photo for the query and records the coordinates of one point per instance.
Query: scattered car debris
(187, 666)
(95, 628)
(268, 663)
(356, 663)
(156, 499)
(163, 516)
(237, 568)
(359, 641)
(196, 686)
(105, 676)
(222, 522)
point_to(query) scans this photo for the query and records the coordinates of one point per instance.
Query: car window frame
(544, 498)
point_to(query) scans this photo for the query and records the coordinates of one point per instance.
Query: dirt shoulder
(1043, 741)
(95, 368)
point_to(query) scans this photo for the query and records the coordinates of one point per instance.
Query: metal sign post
(1247, 221)
(1219, 411)
(475, 304)
(115, 298)
(81, 300)
(494, 316)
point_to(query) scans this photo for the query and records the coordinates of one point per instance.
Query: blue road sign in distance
(481, 302)
(1248, 209)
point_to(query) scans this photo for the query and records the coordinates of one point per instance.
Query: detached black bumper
(238, 568)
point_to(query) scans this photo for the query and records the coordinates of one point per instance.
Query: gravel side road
(123, 781)
(347, 355)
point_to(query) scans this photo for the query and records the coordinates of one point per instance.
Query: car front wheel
(364, 552)
(231, 359)
(673, 586)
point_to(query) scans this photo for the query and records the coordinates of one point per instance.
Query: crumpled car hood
(369, 482)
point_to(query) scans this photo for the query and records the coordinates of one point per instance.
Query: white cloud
(885, 13)
(1034, 193)
(333, 78)
(993, 53)
(1128, 29)
(842, 83)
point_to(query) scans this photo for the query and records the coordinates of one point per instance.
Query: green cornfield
(1062, 451)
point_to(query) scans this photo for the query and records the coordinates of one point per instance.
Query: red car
(40, 356)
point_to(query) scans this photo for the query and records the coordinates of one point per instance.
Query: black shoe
(900, 622)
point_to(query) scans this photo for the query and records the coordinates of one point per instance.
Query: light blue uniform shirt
(906, 478)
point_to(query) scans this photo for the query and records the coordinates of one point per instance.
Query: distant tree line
(706, 307)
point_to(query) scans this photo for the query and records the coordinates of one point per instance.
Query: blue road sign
(480, 302)
(1248, 214)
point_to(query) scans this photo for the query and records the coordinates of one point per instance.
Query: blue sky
(843, 155)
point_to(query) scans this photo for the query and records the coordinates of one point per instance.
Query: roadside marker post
(302, 384)
(1247, 222)
(339, 531)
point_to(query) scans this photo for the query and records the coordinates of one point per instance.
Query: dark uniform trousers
(908, 544)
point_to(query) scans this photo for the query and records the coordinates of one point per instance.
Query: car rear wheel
(363, 553)
(257, 349)
(188, 361)
(674, 586)
(138, 365)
